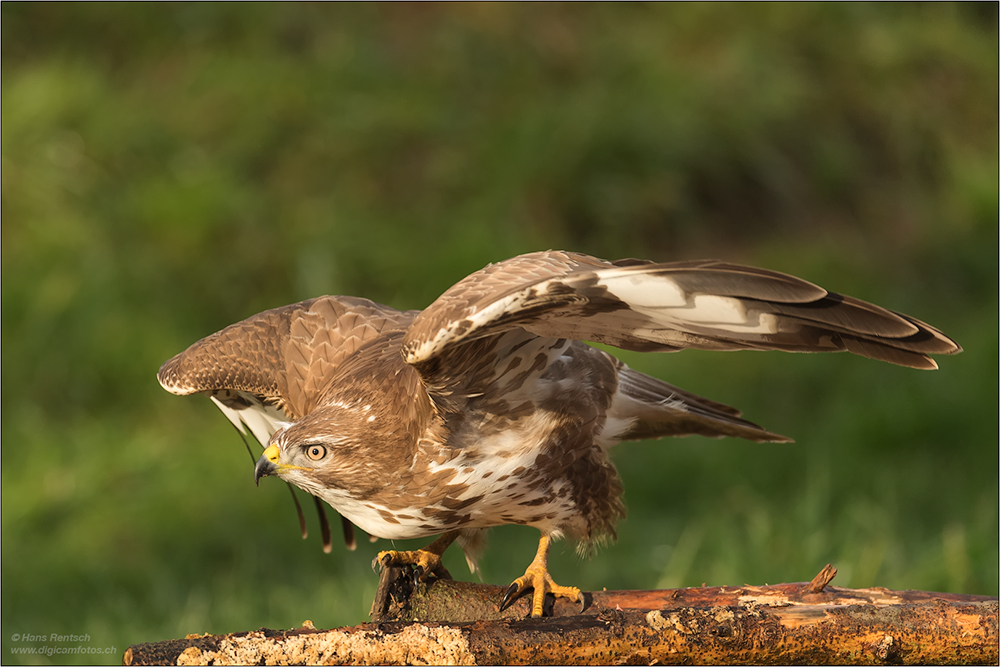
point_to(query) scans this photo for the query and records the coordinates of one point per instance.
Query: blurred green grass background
(170, 169)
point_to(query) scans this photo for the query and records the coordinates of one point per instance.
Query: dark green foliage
(171, 169)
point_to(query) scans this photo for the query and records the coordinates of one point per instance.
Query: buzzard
(488, 409)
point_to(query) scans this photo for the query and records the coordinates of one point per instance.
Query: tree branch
(449, 622)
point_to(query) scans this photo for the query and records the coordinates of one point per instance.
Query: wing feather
(278, 362)
(640, 306)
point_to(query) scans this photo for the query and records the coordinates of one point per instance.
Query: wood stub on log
(822, 579)
(448, 622)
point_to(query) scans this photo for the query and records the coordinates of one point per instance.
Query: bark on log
(449, 622)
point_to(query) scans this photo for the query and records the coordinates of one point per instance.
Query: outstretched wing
(271, 367)
(643, 306)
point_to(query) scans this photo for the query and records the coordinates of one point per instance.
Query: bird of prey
(488, 409)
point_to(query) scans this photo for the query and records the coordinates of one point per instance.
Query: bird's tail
(644, 408)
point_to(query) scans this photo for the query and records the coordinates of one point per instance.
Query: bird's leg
(537, 577)
(424, 561)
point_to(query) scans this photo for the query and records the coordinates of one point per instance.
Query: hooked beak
(267, 464)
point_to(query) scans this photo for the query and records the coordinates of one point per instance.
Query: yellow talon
(537, 577)
(424, 561)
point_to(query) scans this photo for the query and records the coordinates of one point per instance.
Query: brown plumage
(486, 409)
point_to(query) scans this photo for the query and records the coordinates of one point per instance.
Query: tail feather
(650, 408)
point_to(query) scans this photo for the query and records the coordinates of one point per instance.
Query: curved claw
(381, 561)
(512, 594)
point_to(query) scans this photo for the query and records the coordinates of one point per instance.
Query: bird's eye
(315, 452)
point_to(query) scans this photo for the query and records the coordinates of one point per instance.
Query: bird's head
(300, 450)
(327, 448)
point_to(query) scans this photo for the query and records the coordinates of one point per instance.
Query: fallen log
(449, 622)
